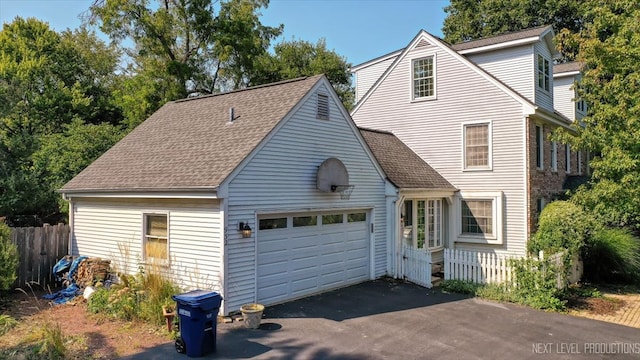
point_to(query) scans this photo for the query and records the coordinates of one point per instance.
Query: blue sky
(356, 29)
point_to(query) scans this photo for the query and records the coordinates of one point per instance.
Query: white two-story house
(480, 113)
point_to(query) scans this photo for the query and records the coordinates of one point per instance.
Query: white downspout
(398, 236)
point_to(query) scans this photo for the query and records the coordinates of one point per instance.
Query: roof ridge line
(282, 82)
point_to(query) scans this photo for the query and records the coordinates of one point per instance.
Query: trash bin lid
(199, 298)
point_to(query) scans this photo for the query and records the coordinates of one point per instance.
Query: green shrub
(535, 284)
(138, 297)
(8, 258)
(562, 225)
(459, 286)
(612, 255)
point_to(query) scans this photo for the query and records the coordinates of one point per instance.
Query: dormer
(565, 98)
(522, 60)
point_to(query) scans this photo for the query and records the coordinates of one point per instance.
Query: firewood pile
(91, 271)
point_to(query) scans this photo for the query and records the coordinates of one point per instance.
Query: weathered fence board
(39, 249)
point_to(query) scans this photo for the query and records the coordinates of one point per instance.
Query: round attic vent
(332, 175)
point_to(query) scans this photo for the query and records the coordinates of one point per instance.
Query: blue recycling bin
(198, 314)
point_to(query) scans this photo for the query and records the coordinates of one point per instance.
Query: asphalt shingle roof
(191, 144)
(403, 167)
(567, 67)
(512, 36)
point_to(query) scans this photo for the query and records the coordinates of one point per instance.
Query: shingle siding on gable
(544, 98)
(296, 151)
(195, 236)
(513, 66)
(367, 77)
(433, 129)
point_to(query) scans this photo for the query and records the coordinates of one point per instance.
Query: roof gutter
(174, 193)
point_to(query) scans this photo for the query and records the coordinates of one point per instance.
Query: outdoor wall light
(244, 228)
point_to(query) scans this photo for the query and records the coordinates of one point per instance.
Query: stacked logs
(91, 271)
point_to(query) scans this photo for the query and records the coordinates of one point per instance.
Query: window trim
(489, 166)
(539, 147)
(497, 212)
(319, 114)
(145, 214)
(424, 98)
(546, 76)
(554, 156)
(441, 232)
(579, 161)
(567, 158)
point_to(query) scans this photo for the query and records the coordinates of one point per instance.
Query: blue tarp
(72, 290)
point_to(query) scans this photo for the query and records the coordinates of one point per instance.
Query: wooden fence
(39, 249)
(416, 265)
(478, 267)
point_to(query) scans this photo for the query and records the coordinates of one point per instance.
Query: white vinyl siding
(366, 77)
(281, 177)
(512, 66)
(113, 229)
(429, 128)
(543, 96)
(564, 96)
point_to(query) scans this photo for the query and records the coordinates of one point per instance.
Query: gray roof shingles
(402, 166)
(493, 40)
(190, 144)
(567, 67)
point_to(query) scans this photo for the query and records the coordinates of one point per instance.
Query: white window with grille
(477, 146)
(423, 78)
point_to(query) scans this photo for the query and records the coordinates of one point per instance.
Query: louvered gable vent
(323, 106)
(422, 43)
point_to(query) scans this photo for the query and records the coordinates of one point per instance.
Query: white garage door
(308, 253)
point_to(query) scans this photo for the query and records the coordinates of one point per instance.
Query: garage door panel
(299, 261)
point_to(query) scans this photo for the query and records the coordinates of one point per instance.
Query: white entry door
(307, 253)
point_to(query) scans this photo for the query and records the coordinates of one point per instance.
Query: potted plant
(252, 313)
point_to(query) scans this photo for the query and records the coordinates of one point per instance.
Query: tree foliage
(8, 258)
(470, 20)
(47, 80)
(183, 48)
(610, 52)
(292, 59)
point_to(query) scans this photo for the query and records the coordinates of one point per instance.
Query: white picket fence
(416, 265)
(478, 267)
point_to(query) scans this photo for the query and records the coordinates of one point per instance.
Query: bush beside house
(8, 258)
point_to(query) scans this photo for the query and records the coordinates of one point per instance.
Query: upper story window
(581, 106)
(477, 146)
(539, 147)
(424, 78)
(543, 73)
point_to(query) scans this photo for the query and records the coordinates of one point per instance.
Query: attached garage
(305, 253)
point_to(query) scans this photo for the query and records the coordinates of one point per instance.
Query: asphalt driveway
(387, 320)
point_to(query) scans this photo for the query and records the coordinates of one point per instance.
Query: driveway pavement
(386, 320)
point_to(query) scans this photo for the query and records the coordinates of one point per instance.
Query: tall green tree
(473, 19)
(610, 51)
(292, 59)
(183, 47)
(47, 80)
